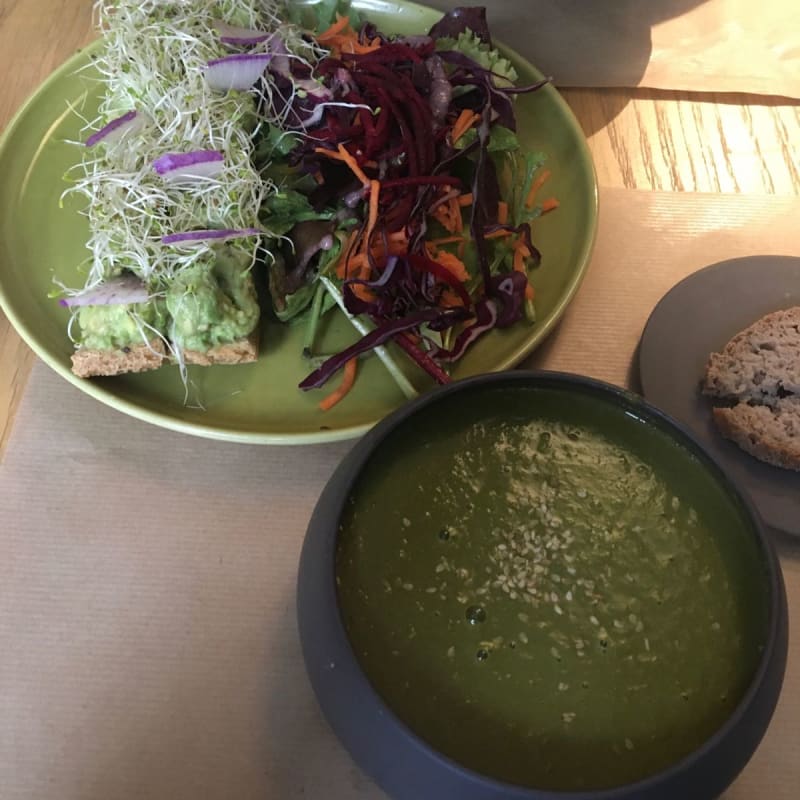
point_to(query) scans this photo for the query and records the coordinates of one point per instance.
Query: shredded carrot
(341, 24)
(348, 43)
(448, 213)
(442, 214)
(356, 263)
(358, 266)
(529, 293)
(364, 268)
(379, 252)
(360, 263)
(449, 299)
(519, 260)
(549, 205)
(340, 37)
(537, 184)
(374, 44)
(453, 264)
(363, 292)
(446, 240)
(343, 155)
(466, 119)
(348, 379)
(353, 164)
(519, 257)
(499, 234)
(521, 252)
(502, 212)
(465, 199)
(341, 265)
(350, 263)
(456, 220)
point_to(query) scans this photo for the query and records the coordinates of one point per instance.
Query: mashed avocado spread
(108, 327)
(212, 304)
(208, 304)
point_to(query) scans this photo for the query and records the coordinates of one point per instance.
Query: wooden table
(639, 138)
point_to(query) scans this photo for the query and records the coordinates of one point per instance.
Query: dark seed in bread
(761, 363)
(757, 378)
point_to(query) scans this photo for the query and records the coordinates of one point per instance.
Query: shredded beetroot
(422, 359)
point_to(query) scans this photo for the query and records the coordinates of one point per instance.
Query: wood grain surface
(639, 138)
(691, 142)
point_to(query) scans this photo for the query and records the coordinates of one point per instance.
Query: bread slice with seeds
(756, 381)
(92, 363)
(89, 362)
(771, 434)
(242, 351)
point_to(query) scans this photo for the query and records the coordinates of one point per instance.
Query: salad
(350, 171)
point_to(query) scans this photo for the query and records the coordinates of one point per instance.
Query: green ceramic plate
(259, 403)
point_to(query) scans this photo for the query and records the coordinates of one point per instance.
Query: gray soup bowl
(401, 761)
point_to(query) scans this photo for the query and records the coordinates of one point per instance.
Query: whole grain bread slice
(771, 434)
(756, 381)
(89, 362)
(242, 351)
(759, 364)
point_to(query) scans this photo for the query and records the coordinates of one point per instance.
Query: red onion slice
(116, 129)
(195, 165)
(280, 58)
(239, 71)
(199, 237)
(117, 291)
(233, 34)
(280, 66)
(314, 88)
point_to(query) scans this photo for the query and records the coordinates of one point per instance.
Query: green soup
(558, 596)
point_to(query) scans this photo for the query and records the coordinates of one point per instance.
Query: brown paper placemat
(147, 630)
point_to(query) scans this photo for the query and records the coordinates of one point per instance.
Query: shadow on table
(586, 43)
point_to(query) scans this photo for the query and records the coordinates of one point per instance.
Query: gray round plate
(696, 317)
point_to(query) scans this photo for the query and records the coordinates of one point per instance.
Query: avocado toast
(172, 196)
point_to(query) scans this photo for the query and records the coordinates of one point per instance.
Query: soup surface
(560, 597)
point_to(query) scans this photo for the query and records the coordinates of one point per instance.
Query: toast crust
(89, 362)
(242, 351)
(771, 435)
